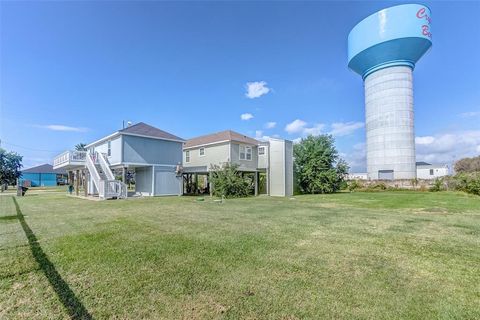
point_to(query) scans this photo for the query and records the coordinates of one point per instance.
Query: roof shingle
(227, 135)
(144, 129)
(44, 168)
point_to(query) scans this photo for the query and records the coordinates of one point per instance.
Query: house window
(201, 152)
(245, 153)
(187, 156)
(431, 172)
(109, 151)
(261, 151)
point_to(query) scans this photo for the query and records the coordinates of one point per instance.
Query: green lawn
(362, 255)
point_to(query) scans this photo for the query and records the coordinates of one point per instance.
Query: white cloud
(246, 116)
(297, 140)
(357, 158)
(295, 126)
(270, 125)
(256, 89)
(340, 129)
(301, 127)
(61, 127)
(259, 136)
(470, 114)
(424, 140)
(316, 130)
(448, 147)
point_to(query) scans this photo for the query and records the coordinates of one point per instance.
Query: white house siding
(281, 167)
(263, 159)
(115, 149)
(214, 154)
(167, 182)
(245, 165)
(432, 172)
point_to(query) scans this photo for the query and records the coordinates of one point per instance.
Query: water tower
(383, 48)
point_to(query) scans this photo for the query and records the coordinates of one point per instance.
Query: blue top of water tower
(394, 36)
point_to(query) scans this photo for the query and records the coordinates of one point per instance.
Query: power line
(28, 148)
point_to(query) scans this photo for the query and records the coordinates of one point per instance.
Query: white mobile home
(431, 171)
(153, 155)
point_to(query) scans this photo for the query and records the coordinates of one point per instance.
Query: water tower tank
(384, 48)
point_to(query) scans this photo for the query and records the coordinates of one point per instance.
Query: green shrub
(438, 185)
(378, 186)
(468, 182)
(354, 185)
(228, 182)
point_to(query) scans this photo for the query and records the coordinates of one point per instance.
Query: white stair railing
(99, 184)
(105, 167)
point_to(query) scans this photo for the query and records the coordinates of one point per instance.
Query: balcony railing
(70, 157)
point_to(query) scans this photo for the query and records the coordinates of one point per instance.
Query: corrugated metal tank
(389, 123)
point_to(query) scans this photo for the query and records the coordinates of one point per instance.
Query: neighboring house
(43, 176)
(153, 155)
(270, 163)
(431, 171)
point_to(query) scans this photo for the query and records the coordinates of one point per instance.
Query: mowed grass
(408, 255)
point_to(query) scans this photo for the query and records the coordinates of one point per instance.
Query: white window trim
(200, 154)
(263, 148)
(245, 153)
(109, 148)
(187, 156)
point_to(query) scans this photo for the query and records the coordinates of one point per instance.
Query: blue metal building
(42, 176)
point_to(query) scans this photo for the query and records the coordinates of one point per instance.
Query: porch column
(210, 184)
(85, 184)
(196, 183)
(77, 182)
(255, 180)
(124, 175)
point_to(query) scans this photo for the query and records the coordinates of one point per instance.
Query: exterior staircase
(108, 187)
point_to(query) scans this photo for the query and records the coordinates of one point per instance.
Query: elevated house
(268, 163)
(153, 155)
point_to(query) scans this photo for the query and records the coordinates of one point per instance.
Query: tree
(81, 146)
(10, 165)
(468, 165)
(318, 167)
(228, 182)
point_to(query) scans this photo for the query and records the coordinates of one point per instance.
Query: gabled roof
(146, 130)
(44, 168)
(140, 129)
(222, 136)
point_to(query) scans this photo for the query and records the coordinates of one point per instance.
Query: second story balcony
(69, 160)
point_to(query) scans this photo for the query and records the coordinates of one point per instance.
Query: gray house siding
(167, 182)
(245, 165)
(151, 151)
(115, 149)
(288, 168)
(143, 180)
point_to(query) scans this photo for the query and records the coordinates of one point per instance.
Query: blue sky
(73, 71)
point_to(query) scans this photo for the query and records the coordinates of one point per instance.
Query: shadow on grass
(8, 218)
(74, 306)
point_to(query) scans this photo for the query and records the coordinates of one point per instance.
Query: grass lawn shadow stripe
(74, 306)
(8, 218)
